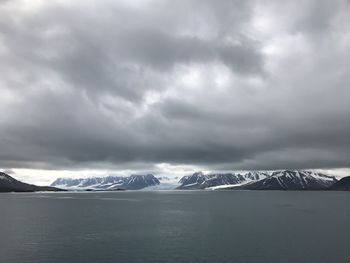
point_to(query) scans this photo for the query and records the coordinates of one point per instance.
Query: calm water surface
(175, 226)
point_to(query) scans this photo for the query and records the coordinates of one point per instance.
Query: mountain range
(133, 182)
(253, 180)
(200, 180)
(278, 180)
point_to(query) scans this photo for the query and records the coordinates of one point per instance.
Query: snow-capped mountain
(88, 182)
(255, 180)
(291, 180)
(200, 180)
(10, 184)
(133, 182)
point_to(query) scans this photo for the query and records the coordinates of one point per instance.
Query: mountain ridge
(291, 180)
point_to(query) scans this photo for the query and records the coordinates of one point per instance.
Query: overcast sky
(173, 86)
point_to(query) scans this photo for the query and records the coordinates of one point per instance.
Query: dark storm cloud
(113, 51)
(221, 84)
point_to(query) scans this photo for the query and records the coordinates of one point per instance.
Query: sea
(175, 226)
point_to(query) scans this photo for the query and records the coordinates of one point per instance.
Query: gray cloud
(224, 84)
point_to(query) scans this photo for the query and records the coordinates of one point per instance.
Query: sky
(172, 87)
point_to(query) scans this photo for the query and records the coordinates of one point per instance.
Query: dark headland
(10, 184)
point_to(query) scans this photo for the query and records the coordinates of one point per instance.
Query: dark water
(195, 226)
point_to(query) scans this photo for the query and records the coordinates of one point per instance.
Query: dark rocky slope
(342, 185)
(10, 184)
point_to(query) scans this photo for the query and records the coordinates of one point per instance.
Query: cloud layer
(133, 84)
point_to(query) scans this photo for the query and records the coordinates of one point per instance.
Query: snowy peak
(255, 175)
(194, 179)
(133, 182)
